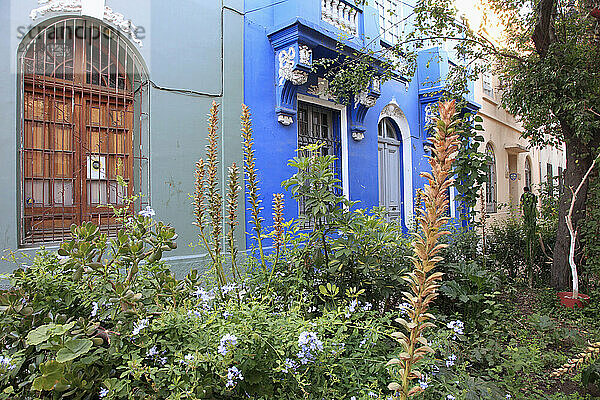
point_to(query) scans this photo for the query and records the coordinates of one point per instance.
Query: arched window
(491, 183)
(528, 173)
(389, 149)
(83, 88)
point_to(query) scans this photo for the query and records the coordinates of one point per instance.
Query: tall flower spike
(251, 177)
(233, 189)
(207, 199)
(212, 182)
(423, 284)
(199, 200)
(277, 224)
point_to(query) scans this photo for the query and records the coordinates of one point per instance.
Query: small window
(550, 179)
(487, 84)
(528, 173)
(386, 129)
(491, 183)
(390, 20)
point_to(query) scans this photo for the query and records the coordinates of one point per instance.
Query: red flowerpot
(567, 299)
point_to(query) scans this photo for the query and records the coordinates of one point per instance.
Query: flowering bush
(83, 326)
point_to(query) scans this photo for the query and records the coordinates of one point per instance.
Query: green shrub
(83, 326)
(506, 248)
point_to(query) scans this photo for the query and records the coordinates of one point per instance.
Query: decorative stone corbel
(362, 103)
(294, 64)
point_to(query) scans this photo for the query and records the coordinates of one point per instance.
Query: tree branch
(543, 33)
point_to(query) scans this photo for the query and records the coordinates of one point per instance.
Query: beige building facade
(515, 164)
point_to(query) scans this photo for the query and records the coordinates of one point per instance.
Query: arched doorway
(82, 150)
(389, 148)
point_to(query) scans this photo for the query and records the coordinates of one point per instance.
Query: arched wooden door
(389, 150)
(80, 83)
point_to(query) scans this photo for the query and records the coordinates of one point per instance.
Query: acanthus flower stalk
(422, 281)
(251, 177)
(232, 205)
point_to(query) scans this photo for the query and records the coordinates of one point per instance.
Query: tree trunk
(579, 160)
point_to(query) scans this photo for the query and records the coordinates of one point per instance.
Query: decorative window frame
(342, 109)
(140, 128)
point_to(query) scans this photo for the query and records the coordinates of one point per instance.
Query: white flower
(457, 327)
(203, 294)
(6, 363)
(152, 351)
(95, 309)
(233, 375)
(404, 308)
(103, 393)
(450, 361)
(424, 382)
(227, 341)
(147, 212)
(139, 326)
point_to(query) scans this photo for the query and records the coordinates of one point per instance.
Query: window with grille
(83, 90)
(316, 125)
(389, 20)
(491, 183)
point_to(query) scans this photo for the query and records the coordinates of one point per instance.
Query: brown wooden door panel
(76, 130)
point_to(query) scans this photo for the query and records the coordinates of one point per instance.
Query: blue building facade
(380, 138)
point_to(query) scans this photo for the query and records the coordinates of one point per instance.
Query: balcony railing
(340, 14)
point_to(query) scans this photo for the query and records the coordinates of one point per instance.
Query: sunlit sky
(480, 19)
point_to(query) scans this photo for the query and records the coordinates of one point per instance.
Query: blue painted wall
(276, 143)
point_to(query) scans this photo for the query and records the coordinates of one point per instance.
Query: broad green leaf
(52, 373)
(73, 349)
(39, 335)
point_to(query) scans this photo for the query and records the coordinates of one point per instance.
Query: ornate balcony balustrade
(341, 14)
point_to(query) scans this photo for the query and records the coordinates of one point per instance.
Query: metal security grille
(315, 125)
(84, 94)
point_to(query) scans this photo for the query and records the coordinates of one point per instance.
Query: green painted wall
(195, 45)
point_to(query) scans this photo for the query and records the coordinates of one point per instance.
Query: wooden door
(389, 169)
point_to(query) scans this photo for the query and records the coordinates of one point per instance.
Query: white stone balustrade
(340, 14)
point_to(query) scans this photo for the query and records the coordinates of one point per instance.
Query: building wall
(276, 143)
(197, 46)
(503, 132)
